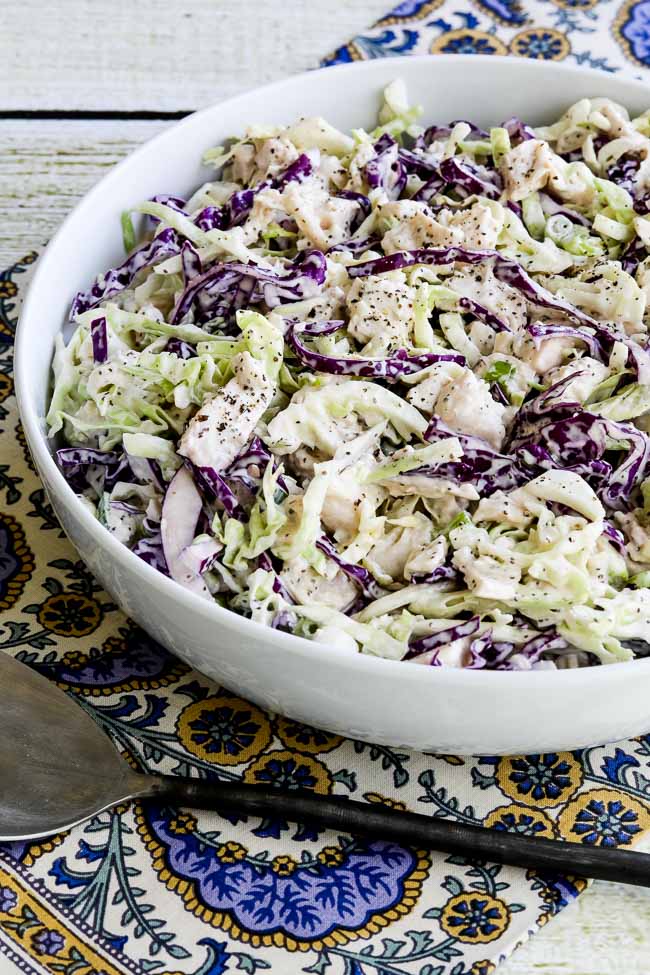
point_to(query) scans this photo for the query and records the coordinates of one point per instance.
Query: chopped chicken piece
(225, 423)
(527, 168)
(532, 165)
(426, 559)
(485, 576)
(307, 586)
(381, 311)
(323, 219)
(242, 163)
(427, 391)
(637, 537)
(589, 373)
(521, 377)
(267, 208)
(415, 226)
(345, 494)
(480, 284)
(389, 556)
(273, 156)
(546, 355)
(466, 405)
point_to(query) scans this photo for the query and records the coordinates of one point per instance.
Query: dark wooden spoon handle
(406, 828)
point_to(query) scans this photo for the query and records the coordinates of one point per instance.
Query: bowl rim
(211, 611)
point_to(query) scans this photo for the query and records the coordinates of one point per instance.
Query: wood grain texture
(89, 55)
(46, 167)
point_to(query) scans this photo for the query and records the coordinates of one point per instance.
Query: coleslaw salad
(386, 390)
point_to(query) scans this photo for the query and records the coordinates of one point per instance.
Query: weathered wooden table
(82, 82)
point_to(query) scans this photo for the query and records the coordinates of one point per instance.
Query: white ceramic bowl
(432, 709)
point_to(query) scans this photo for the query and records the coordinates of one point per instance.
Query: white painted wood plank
(46, 167)
(88, 54)
(607, 932)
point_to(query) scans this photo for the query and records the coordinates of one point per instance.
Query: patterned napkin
(180, 892)
(604, 34)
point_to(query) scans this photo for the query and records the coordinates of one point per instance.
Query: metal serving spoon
(57, 768)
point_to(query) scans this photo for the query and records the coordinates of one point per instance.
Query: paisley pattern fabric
(180, 892)
(604, 34)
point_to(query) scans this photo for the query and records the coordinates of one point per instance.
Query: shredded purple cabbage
(363, 203)
(115, 280)
(77, 463)
(190, 261)
(624, 171)
(386, 171)
(485, 470)
(504, 268)
(213, 484)
(393, 367)
(484, 315)
(180, 348)
(469, 179)
(437, 132)
(99, 339)
(541, 331)
(173, 202)
(240, 284)
(363, 578)
(433, 641)
(634, 253)
(149, 548)
(356, 246)
(518, 130)
(442, 573)
(578, 440)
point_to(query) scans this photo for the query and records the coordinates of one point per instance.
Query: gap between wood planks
(94, 116)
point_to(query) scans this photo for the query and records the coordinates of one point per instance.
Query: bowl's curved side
(359, 696)
(390, 704)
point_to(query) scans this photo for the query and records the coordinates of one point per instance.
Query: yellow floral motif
(482, 968)
(17, 551)
(541, 781)
(50, 936)
(182, 824)
(331, 856)
(20, 436)
(37, 850)
(525, 821)
(604, 817)
(285, 769)
(304, 738)
(74, 658)
(6, 386)
(540, 44)
(475, 918)
(69, 614)
(231, 852)
(284, 866)
(8, 289)
(384, 801)
(224, 730)
(468, 41)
